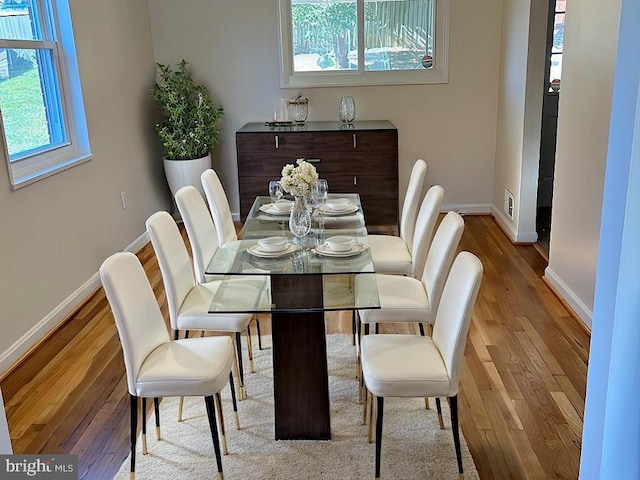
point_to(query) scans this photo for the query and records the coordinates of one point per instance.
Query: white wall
(591, 32)
(611, 435)
(520, 114)
(233, 48)
(5, 439)
(56, 232)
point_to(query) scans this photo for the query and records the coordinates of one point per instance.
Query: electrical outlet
(123, 199)
(508, 203)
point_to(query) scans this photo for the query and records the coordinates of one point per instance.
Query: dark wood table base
(300, 376)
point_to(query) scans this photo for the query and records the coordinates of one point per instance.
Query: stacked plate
(339, 206)
(340, 246)
(281, 207)
(272, 247)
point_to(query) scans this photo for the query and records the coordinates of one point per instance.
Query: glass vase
(300, 218)
(347, 109)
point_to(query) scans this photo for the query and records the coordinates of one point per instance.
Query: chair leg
(439, 408)
(259, 335)
(134, 432)
(421, 327)
(370, 417)
(233, 400)
(379, 408)
(223, 433)
(252, 368)
(176, 336)
(377, 328)
(453, 404)
(156, 408)
(365, 395)
(144, 426)
(353, 327)
(211, 414)
(426, 403)
(240, 367)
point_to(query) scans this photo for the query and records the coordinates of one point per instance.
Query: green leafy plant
(190, 128)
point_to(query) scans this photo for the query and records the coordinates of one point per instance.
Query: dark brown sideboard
(359, 158)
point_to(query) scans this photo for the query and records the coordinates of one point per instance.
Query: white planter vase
(181, 173)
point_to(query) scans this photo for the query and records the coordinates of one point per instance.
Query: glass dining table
(296, 287)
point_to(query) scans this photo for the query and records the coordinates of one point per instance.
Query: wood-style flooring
(521, 398)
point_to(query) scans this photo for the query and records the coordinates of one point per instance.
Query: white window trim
(439, 73)
(77, 149)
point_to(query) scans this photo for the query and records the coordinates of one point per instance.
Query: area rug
(413, 445)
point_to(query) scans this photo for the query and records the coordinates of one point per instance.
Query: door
(555, 38)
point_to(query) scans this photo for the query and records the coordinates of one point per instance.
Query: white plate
(355, 250)
(268, 208)
(349, 209)
(257, 252)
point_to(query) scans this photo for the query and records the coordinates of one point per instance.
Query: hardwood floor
(521, 396)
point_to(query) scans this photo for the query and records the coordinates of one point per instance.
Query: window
(363, 42)
(43, 124)
(557, 46)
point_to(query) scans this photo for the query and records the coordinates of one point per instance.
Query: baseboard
(12, 356)
(576, 307)
(467, 208)
(517, 238)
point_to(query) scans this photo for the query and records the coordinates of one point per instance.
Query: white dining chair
(406, 299)
(203, 237)
(390, 253)
(157, 366)
(416, 366)
(219, 206)
(423, 234)
(188, 301)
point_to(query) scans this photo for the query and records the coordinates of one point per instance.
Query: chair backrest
(454, 313)
(412, 202)
(138, 317)
(219, 206)
(425, 226)
(440, 257)
(173, 259)
(201, 230)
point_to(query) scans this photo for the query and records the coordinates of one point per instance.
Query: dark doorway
(553, 68)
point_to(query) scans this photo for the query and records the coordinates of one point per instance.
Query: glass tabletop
(303, 257)
(307, 256)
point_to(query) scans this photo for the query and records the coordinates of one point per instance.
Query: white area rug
(413, 446)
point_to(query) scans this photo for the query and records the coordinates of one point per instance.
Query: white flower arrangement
(298, 181)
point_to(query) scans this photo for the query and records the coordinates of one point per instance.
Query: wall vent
(508, 203)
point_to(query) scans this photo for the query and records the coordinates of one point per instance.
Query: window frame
(439, 73)
(54, 18)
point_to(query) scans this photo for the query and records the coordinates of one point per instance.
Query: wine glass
(275, 191)
(319, 193)
(318, 200)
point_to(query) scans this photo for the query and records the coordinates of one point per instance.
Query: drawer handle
(355, 145)
(277, 143)
(355, 180)
(313, 160)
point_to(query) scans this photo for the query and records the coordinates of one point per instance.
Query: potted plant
(189, 130)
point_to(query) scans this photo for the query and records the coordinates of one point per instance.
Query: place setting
(338, 207)
(339, 246)
(272, 247)
(278, 206)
